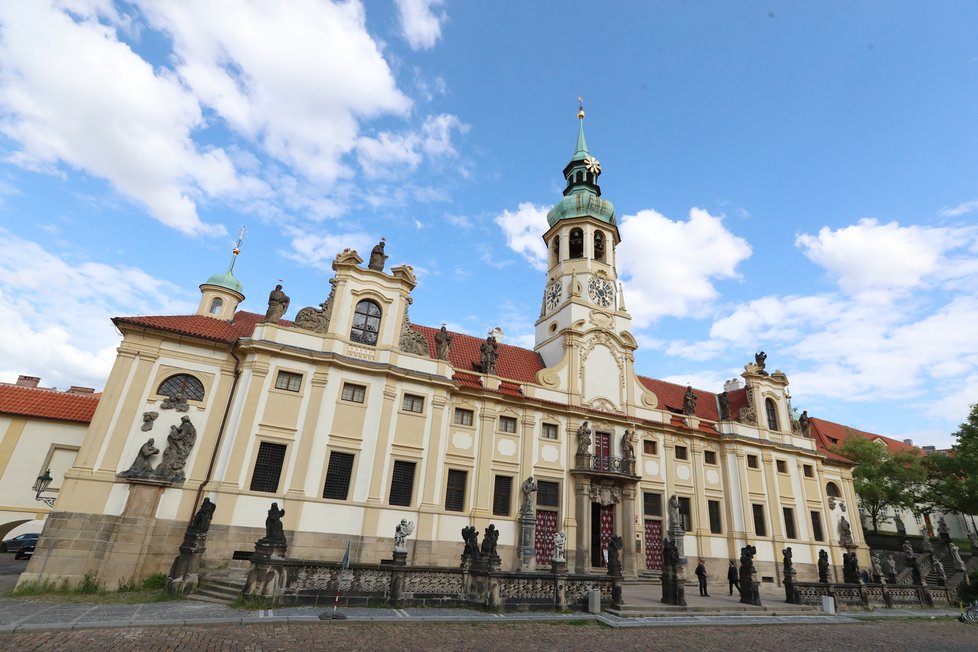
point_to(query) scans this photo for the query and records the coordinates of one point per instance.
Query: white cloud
(669, 267)
(961, 209)
(390, 154)
(75, 94)
(420, 26)
(55, 313)
(524, 229)
(318, 250)
(875, 260)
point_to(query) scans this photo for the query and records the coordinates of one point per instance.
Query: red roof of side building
(513, 363)
(47, 403)
(829, 435)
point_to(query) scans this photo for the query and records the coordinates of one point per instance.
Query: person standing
(701, 574)
(733, 578)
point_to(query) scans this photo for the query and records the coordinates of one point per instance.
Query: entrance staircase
(220, 589)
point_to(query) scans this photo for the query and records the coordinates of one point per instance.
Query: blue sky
(800, 178)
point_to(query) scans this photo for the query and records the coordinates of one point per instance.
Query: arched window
(772, 414)
(598, 245)
(183, 385)
(832, 490)
(366, 323)
(576, 243)
(556, 257)
(216, 305)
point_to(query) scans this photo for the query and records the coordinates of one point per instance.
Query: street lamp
(41, 485)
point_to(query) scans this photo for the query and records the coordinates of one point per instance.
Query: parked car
(26, 550)
(17, 543)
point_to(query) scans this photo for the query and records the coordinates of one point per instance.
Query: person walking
(733, 578)
(701, 574)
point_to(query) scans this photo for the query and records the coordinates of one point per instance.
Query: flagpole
(339, 580)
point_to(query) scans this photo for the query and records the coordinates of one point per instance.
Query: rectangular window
(548, 494)
(268, 467)
(455, 491)
(355, 393)
(288, 381)
(809, 471)
(681, 453)
(789, 523)
(686, 511)
(817, 526)
(782, 466)
(650, 447)
(338, 475)
(463, 417)
(752, 461)
(710, 457)
(550, 431)
(507, 424)
(652, 504)
(413, 403)
(760, 527)
(716, 525)
(502, 495)
(402, 483)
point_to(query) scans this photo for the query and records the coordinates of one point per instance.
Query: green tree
(883, 481)
(953, 477)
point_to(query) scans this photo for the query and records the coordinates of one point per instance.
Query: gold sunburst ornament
(592, 165)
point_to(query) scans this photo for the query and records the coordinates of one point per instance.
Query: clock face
(602, 292)
(552, 294)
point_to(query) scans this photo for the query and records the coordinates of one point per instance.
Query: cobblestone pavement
(891, 636)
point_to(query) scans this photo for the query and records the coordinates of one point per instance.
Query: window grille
(338, 476)
(548, 494)
(502, 495)
(268, 467)
(716, 525)
(402, 483)
(652, 504)
(455, 491)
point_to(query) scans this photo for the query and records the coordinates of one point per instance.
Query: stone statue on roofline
(689, 401)
(443, 343)
(723, 405)
(488, 354)
(806, 423)
(377, 257)
(760, 359)
(278, 304)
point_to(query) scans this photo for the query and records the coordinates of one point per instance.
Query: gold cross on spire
(580, 107)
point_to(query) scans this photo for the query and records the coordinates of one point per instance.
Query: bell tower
(581, 290)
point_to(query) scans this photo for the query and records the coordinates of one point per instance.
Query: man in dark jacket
(732, 577)
(701, 574)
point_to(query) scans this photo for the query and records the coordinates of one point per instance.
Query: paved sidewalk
(30, 615)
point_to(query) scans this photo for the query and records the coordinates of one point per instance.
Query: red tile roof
(829, 434)
(206, 328)
(671, 395)
(47, 403)
(514, 363)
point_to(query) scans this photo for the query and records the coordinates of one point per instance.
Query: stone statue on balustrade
(401, 532)
(955, 554)
(877, 568)
(489, 542)
(179, 443)
(470, 536)
(201, 521)
(890, 568)
(941, 574)
(529, 489)
(850, 568)
(823, 567)
(141, 467)
(584, 439)
(908, 549)
(560, 539)
(274, 530)
(615, 546)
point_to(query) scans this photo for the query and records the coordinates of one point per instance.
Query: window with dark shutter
(338, 475)
(502, 495)
(455, 491)
(760, 526)
(686, 511)
(652, 504)
(548, 494)
(268, 467)
(789, 523)
(817, 526)
(716, 525)
(402, 483)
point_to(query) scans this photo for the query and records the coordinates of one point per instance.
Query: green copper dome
(582, 196)
(226, 280)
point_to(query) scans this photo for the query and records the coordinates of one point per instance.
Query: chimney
(28, 381)
(497, 332)
(908, 442)
(74, 389)
(731, 385)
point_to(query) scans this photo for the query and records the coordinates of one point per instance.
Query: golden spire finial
(580, 107)
(237, 245)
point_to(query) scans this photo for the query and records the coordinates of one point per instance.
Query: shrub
(154, 582)
(90, 583)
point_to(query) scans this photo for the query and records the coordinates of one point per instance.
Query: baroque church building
(352, 418)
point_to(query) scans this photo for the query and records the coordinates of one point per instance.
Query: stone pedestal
(266, 577)
(676, 534)
(673, 585)
(400, 557)
(791, 595)
(890, 578)
(750, 588)
(183, 578)
(526, 552)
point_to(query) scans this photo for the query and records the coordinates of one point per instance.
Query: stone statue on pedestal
(584, 439)
(401, 532)
(278, 304)
(559, 540)
(823, 567)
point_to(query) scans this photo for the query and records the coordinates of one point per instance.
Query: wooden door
(653, 545)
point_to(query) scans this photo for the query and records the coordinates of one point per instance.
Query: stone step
(200, 597)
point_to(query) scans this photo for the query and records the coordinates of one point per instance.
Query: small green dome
(582, 204)
(226, 280)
